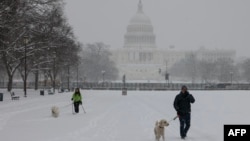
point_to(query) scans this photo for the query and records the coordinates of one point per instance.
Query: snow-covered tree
(225, 69)
(207, 70)
(45, 30)
(96, 61)
(246, 70)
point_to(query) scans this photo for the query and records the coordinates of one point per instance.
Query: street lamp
(231, 74)
(124, 80)
(159, 71)
(77, 74)
(45, 79)
(25, 64)
(68, 75)
(54, 71)
(103, 72)
(167, 78)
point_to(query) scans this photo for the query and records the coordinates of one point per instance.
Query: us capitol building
(141, 59)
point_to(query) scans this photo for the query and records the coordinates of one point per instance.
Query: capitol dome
(140, 17)
(139, 31)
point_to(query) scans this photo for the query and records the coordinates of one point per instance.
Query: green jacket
(77, 97)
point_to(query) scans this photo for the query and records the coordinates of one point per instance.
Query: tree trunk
(36, 79)
(10, 82)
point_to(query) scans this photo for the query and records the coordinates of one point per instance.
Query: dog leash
(66, 105)
(174, 118)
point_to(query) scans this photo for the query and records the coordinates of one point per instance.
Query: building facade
(141, 59)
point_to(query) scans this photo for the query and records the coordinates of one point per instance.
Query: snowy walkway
(113, 117)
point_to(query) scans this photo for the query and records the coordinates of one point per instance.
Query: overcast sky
(185, 24)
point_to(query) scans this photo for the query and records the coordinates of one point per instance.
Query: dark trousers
(76, 106)
(184, 124)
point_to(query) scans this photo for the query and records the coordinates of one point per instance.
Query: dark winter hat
(184, 87)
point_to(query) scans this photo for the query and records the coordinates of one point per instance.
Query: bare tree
(207, 71)
(11, 34)
(186, 69)
(191, 66)
(96, 60)
(46, 27)
(246, 70)
(225, 69)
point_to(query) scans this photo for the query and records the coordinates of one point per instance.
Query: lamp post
(124, 80)
(68, 76)
(231, 74)
(54, 71)
(159, 72)
(45, 79)
(124, 90)
(167, 78)
(77, 75)
(103, 72)
(25, 64)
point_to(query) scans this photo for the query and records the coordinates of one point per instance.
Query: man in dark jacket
(182, 105)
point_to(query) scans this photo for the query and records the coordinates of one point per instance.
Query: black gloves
(71, 99)
(80, 102)
(191, 98)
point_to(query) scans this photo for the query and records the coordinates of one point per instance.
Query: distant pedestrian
(77, 99)
(182, 105)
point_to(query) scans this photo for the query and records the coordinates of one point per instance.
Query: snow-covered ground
(113, 117)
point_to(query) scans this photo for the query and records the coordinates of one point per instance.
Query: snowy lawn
(113, 117)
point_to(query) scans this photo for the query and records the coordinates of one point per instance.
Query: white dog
(159, 129)
(55, 111)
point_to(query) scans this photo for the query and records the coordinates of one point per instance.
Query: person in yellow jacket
(77, 99)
